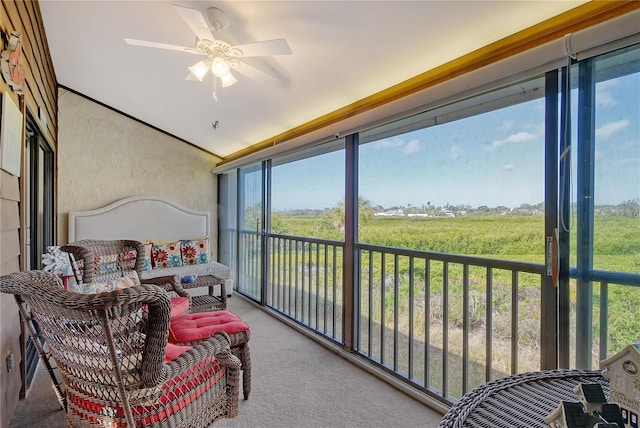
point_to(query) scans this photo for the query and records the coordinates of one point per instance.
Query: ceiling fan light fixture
(219, 67)
(220, 56)
(200, 69)
(228, 80)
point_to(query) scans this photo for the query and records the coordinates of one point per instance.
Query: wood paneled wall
(39, 99)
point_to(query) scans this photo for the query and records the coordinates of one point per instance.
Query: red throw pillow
(179, 305)
(172, 352)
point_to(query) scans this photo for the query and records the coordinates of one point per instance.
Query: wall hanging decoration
(11, 136)
(11, 60)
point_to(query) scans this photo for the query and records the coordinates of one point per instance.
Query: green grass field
(509, 237)
(436, 320)
(616, 239)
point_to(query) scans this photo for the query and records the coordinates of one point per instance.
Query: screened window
(466, 181)
(307, 196)
(227, 219)
(605, 211)
(617, 162)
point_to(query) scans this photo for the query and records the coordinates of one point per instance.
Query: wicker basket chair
(122, 257)
(117, 366)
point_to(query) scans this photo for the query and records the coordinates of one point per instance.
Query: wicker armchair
(126, 256)
(117, 367)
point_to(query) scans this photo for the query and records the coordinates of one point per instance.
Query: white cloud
(610, 128)
(456, 153)
(506, 126)
(627, 145)
(603, 96)
(390, 143)
(412, 146)
(397, 143)
(517, 138)
(630, 161)
(508, 167)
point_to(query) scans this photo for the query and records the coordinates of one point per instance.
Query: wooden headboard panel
(140, 218)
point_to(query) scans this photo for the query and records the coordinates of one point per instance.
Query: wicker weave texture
(239, 343)
(209, 302)
(110, 350)
(87, 250)
(519, 401)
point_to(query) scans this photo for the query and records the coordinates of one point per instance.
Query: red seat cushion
(179, 305)
(176, 394)
(171, 352)
(202, 325)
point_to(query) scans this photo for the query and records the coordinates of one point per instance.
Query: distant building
(390, 213)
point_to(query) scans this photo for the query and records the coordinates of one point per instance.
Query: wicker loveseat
(162, 222)
(102, 265)
(113, 353)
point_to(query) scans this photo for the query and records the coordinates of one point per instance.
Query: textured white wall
(104, 156)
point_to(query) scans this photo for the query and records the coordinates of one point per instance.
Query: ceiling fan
(221, 56)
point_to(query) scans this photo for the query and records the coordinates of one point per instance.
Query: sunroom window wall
(472, 253)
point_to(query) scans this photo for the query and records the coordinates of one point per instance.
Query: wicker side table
(203, 303)
(208, 302)
(519, 401)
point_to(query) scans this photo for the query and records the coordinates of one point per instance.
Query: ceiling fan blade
(148, 44)
(264, 48)
(252, 72)
(195, 20)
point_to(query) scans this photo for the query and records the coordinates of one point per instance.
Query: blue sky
(492, 159)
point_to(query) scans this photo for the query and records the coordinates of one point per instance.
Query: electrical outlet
(10, 360)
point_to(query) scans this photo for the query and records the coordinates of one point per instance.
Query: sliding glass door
(39, 218)
(251, 228)
(604, 225)
(39, 196)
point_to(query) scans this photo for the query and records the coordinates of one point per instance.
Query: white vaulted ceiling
(342, 52)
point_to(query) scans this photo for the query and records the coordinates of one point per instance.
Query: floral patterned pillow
(106, 264)
(195, 251)
(129, 259)
(129, 280)
(148, 248)
(166, 255)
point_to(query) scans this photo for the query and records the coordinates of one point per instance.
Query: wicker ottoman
(188, 329)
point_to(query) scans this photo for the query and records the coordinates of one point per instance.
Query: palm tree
(365, 212)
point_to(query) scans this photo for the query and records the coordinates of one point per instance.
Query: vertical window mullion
(584, 204)
(548, 292)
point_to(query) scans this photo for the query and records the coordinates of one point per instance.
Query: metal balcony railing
(442, 323)
(447, 323)
(306, 282)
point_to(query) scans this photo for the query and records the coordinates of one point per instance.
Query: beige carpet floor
(295, 383)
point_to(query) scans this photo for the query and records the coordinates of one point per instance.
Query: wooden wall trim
(39, 92)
